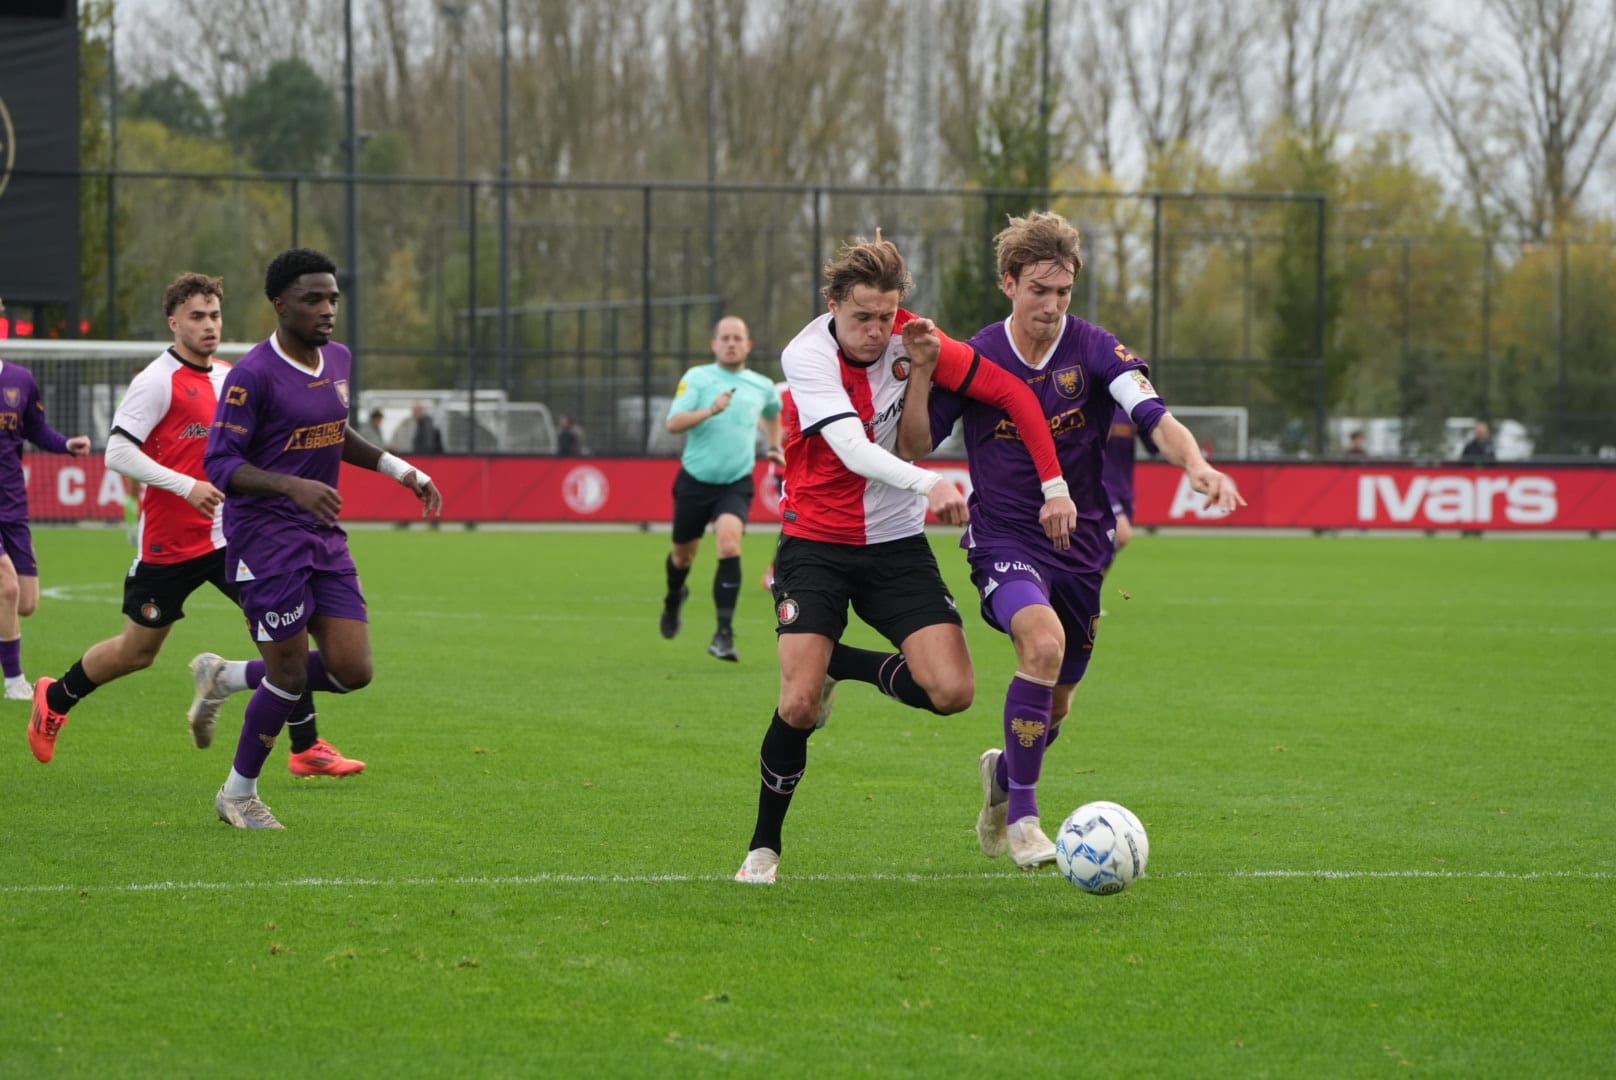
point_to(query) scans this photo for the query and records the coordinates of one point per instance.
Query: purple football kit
(22, 419)
(1086, 377)
(280, 416)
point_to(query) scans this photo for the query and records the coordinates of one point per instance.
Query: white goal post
(1222, 427)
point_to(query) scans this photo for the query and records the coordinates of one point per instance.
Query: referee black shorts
(696, 504)
(894, 586)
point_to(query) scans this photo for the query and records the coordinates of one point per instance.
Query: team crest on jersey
(787, 611)
(900, 369)
(342, 391)
(1069, 382)
(13, 395)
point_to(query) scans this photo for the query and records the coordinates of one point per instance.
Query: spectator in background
(371, 428)
(1480, 447)
(1355, 445)
(427, 439)
(569, 438)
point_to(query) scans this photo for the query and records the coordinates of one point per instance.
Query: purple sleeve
(1146, 415)
(36, 429)
(230, 437)
(946, 407)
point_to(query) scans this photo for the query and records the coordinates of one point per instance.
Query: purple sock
(319, 681)
(267, 712)
(11, 658)
(1027, 706)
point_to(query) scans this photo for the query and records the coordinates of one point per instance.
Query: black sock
(70, 689)
(783, 760)
(859, 665)
(888, 672)
(303, 727)
(676, 582)
(727, 590)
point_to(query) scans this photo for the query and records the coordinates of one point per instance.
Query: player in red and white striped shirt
(158, 435)
(853, 530)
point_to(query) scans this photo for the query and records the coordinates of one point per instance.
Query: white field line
(524, 880)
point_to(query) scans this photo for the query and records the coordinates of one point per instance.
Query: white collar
(275, 343)
(1048, 356)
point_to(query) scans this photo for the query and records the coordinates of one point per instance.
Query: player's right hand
(948, 503)
(920, 340)
(1059, 518)
(721, 402)
(205, 497)
(321, 500)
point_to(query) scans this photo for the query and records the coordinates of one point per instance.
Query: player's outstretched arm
(923, 343)
(357, 450)
(1178, 446)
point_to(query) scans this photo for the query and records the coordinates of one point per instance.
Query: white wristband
(1056, 489)
(396, 467)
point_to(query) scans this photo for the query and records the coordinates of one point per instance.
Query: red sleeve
(960, 369)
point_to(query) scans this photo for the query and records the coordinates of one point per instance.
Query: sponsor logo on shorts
(1019, 567)
(278, 619)
(787, 611)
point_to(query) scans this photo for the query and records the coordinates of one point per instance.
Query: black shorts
(154, 594)
(695, 504)
(895, 587)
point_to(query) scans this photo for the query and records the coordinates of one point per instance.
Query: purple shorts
(1008, 579)
(281, 607)
(18, 541)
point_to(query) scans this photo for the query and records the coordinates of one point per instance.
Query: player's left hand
(1219, 489)
(78, 445)
(777, 456)
(431, 498)
(1059, 518)
(920, 340)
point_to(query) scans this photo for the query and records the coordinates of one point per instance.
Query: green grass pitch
(1378, 776)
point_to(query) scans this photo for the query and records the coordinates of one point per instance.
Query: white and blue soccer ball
(1102, 848)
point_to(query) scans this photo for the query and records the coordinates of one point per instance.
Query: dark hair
(188, 285)
(288, 266)
(876, 263)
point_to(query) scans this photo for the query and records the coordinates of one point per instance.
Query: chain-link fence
(596, 296)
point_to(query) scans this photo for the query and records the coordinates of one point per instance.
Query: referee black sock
(70, 689)
(727, 590)
(676, 582)
(783, 760)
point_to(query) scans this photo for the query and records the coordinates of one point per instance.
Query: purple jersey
(1080, 384)
(279, 416)
(22, 417)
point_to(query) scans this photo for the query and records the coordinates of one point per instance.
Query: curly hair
(876, 263)
(188, 285)
(1041, 236)
(288, 266)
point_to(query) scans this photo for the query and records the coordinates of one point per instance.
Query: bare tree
(1526, 102)
(1309, 63)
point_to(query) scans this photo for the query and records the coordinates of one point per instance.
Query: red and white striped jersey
(168, 411)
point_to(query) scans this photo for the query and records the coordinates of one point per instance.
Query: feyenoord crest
(342, 391)
(150, 611)
(787, 611)
(900, 369)
(1069, 382)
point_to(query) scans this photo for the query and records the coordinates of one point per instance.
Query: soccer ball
(1101, 848)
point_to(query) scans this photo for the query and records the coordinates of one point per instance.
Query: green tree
(285, 120)
(172, 102)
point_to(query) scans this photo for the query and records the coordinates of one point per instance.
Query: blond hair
(1041, 236)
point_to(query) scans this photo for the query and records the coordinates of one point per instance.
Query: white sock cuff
(277, 691)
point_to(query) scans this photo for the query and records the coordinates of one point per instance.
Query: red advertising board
(552, 489)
